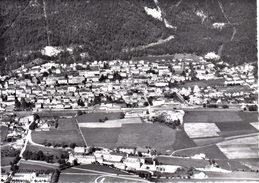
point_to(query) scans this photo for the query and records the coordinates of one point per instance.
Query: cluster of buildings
(118, 83)
(123, 158)
(61, 86)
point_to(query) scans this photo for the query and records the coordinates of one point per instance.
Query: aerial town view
(128, 91)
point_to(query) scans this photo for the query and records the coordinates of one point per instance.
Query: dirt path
(225, 15)
(46, 22)
(161, 41)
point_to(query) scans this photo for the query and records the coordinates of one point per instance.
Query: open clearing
(95, 117)
(4, 131)
(66, 132)
(210, 151)
(211, 116)
(197, 130)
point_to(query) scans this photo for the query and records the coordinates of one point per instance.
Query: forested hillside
(110, 29)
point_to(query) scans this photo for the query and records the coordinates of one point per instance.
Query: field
(106, 137)
(231, 89)
(182, 141)
(28, 165)
(235, 133)
(4, 131)
(235, 126)
(94, 117)
(203, 83)
(153, 135)
(6, 160)
(87, 173)
(210, 151)
(46, 150)
(211, 116)
(240, 148)
(251, 163)
(186, 162)
(255, 125)
(197, 130)
(117, 123)
(69, 178)
(235, 175)
(66, 132)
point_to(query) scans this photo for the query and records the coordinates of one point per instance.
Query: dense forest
(104, 28)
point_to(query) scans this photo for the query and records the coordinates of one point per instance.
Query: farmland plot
(198, 130)
(240, 148)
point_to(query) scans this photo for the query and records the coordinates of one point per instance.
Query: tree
(17, 103)
(122, 115)
(252, 108)
(79, 113)
(72, 145)
(33, 125)
(35, 117)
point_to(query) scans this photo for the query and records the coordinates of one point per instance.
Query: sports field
(66, 133)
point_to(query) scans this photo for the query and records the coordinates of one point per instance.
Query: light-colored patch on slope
(111, 123)
(157, 14)
(198, 130)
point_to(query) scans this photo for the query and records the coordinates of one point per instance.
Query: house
(79, 150)
(83, 159)
(128, 150)
(76, 80)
